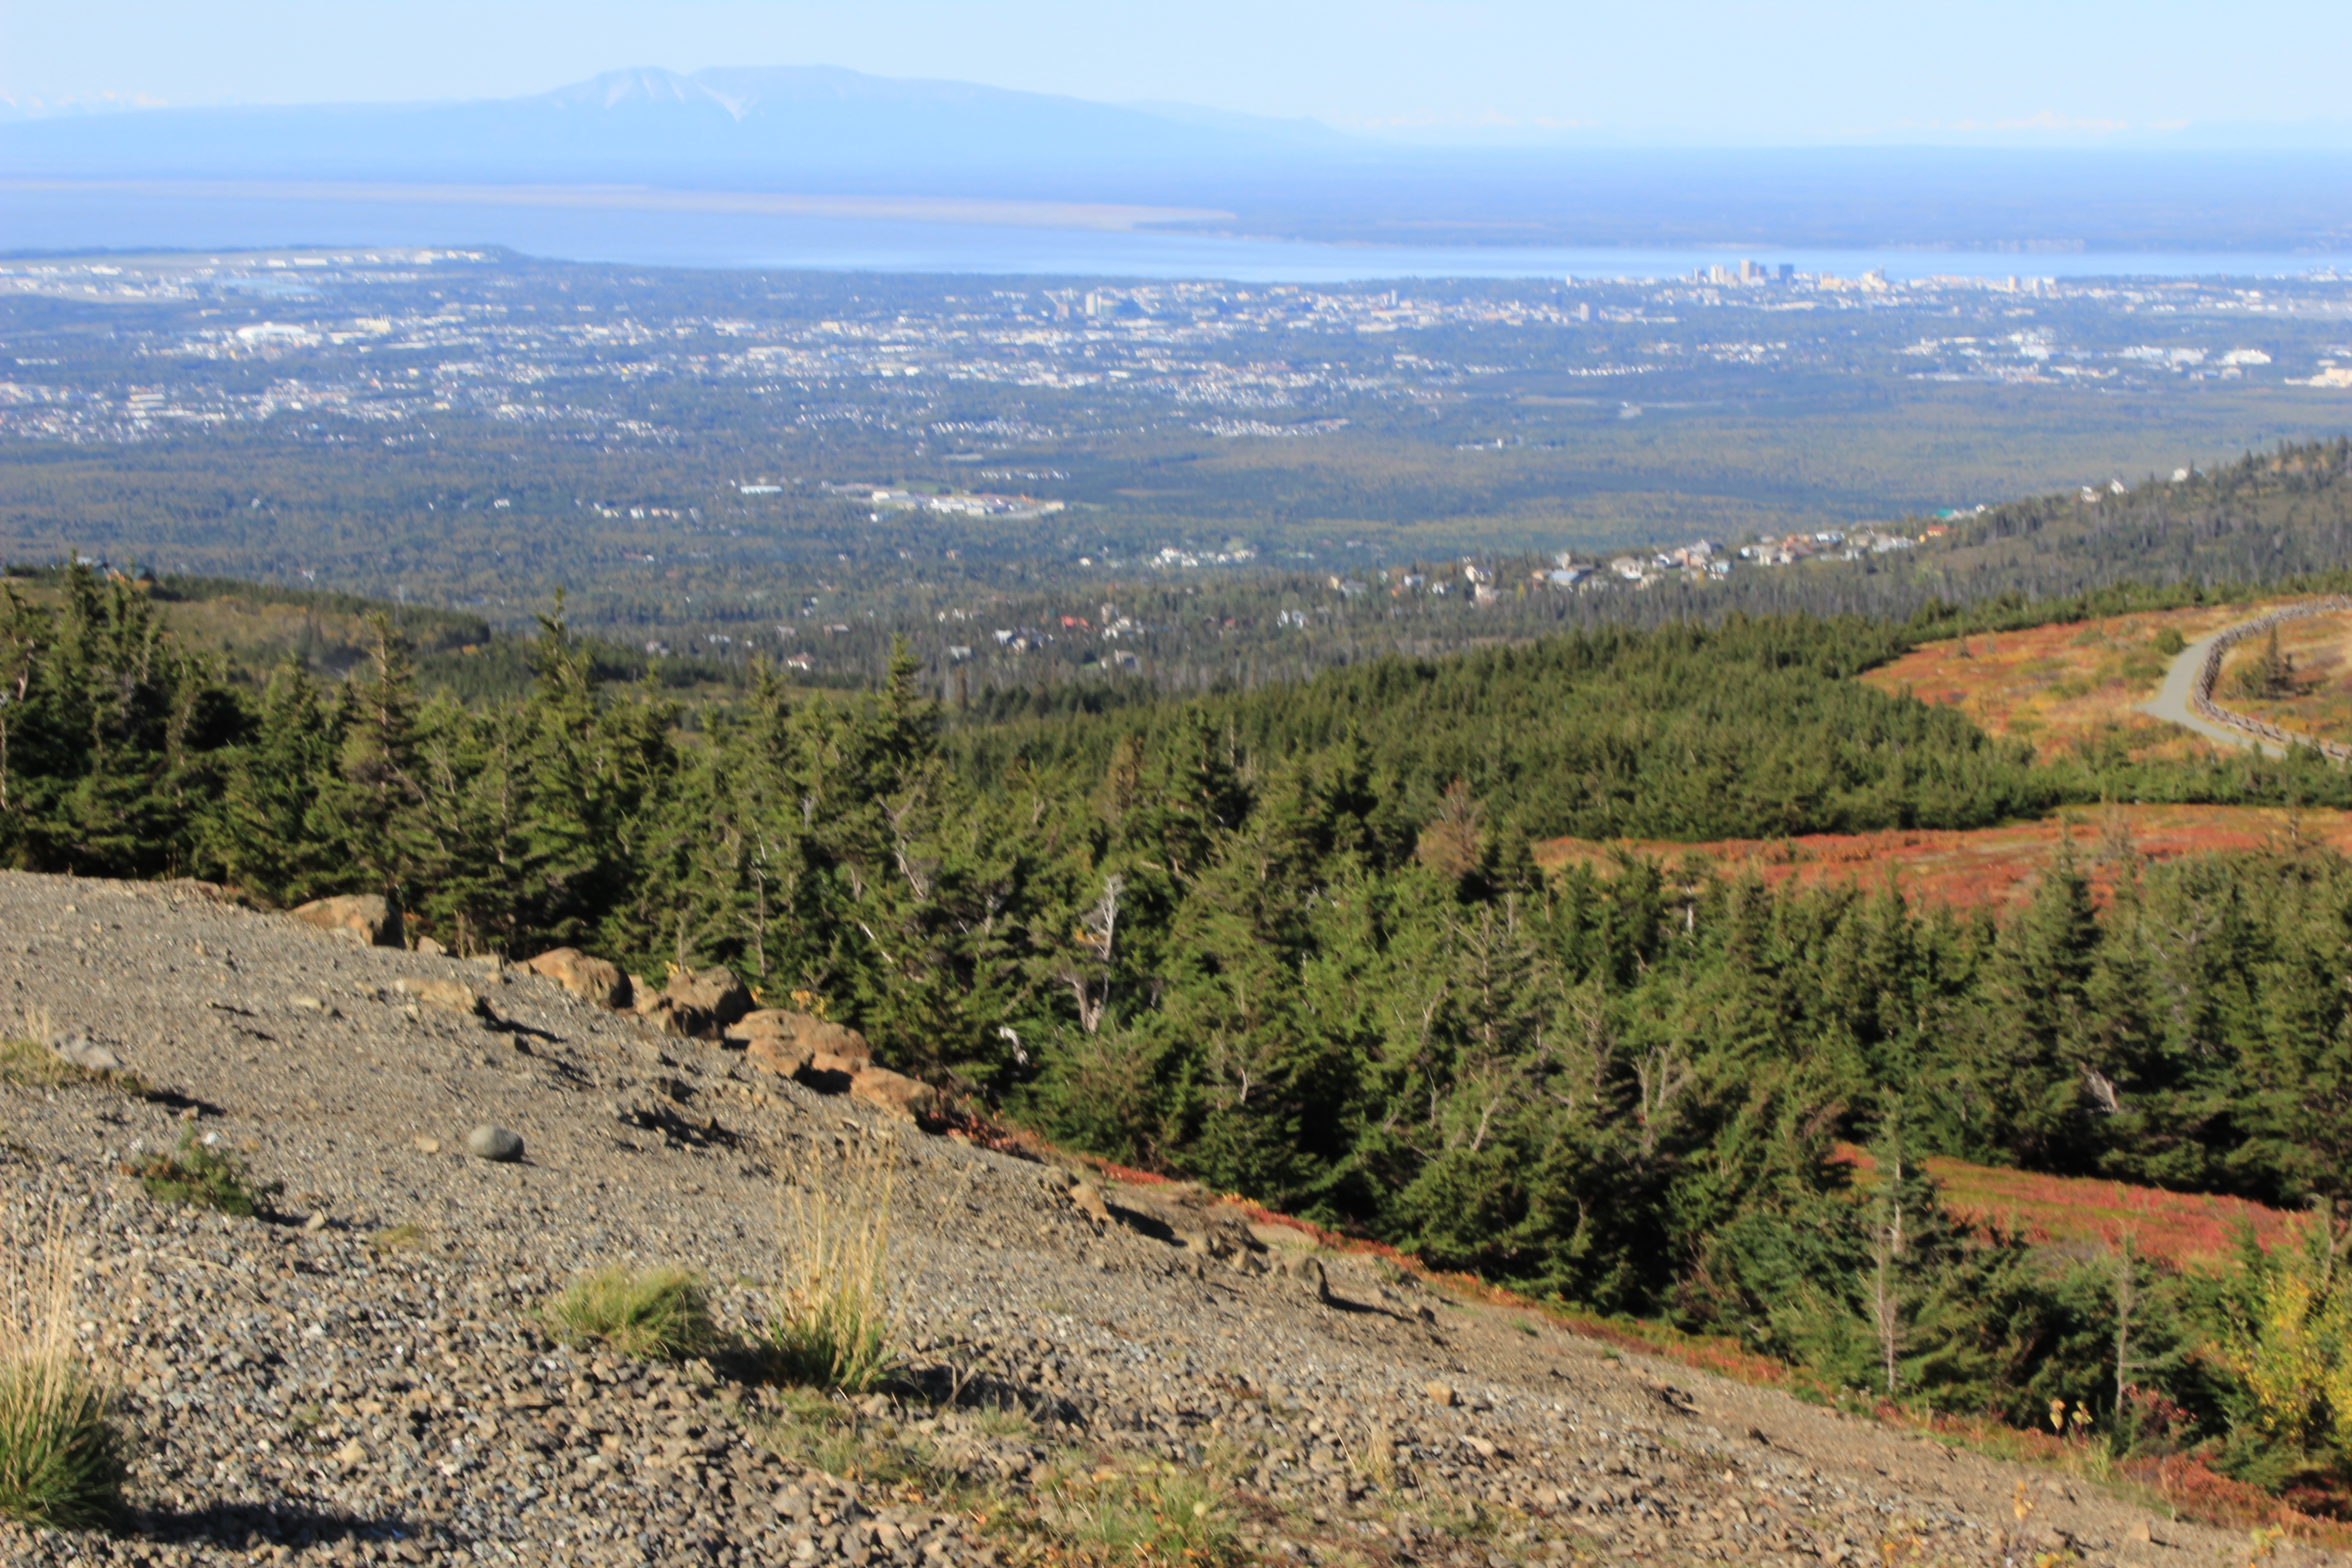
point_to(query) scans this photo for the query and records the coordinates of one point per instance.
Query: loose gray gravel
(361, 1374)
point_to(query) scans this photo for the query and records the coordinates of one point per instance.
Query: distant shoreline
(719, 229)
(989, 210)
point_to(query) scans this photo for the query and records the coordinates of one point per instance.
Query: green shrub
(653, 1314)
(202, 1173)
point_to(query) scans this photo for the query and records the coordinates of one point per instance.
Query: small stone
(349, 1454)
(430, 948)
(84, 1053)
(493, 1144)
(317, 1222)
(428, 1145)
(1440, 1395)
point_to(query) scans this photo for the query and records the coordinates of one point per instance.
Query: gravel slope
(301, 1393)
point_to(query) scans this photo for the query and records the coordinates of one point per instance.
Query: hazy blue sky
(1706, 69)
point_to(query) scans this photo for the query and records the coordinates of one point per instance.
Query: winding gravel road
(2170, 702)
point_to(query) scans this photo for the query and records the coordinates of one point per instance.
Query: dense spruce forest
(1294, 942)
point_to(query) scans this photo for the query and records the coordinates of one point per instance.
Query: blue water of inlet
(67, 221)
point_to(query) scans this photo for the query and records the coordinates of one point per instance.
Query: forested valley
(1192, 486)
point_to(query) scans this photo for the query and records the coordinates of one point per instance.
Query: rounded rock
(491, 1143)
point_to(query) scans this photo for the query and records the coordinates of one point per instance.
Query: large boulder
(829, 1058)
(363, 918)
(787, 1031)
(777, 1053)
(452, 995)
(894, 1093)
(697, 1006)
(599, 982)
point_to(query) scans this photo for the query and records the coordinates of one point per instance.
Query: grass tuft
(1002, 1421)
(29, 1064)
(399, 1237)
(61, 1453)
(653, 1314)
(1113, 1518)
(200, 1172)
(1086, 1507)
(816, 1429)
(832, 1323)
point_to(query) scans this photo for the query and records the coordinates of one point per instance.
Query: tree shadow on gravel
(519, 1030)
(173, 1100)
(679, 1131)
(939, 1384)
(248, 1526)
(947, 1386)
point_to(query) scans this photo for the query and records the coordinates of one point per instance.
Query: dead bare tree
(2126, 1292)
(1887, 1248)
(1097, 933)
(1659, 1075)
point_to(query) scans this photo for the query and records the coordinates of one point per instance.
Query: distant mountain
(797, 126)
(818, 130)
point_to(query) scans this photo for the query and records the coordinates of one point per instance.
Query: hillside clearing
(1993, 866)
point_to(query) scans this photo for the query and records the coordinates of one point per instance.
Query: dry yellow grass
(833, 1320)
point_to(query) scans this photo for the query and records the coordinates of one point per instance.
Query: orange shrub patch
(2059, 684)
(1985, 866)
(2185, 1229)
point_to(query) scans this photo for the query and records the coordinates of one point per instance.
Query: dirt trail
(2171, 701)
